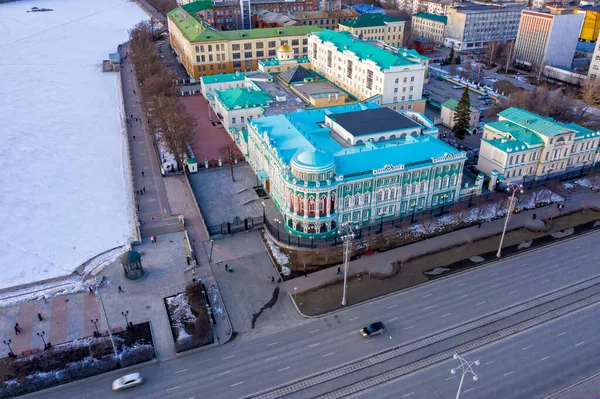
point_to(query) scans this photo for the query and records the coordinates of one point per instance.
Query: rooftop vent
(527, 121)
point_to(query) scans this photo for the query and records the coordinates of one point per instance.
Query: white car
(127, 381)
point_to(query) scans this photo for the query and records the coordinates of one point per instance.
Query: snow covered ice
(64, 179)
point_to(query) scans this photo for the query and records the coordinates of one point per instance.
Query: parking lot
(442, 90)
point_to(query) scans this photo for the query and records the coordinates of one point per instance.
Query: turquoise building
(361, 163)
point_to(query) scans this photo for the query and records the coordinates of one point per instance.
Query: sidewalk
(381, 262)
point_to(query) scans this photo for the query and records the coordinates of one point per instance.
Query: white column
(328, 204)
(305, 205)
(317, 206)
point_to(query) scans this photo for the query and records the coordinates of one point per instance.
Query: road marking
(170, 389)
(313, 345)
(480, 303)
(408, 394)
(425, 296)
(461, 284)
(447, 314)
(470, 389)
(488, 363)
(408, 328)
(545, 281)
(512, 292)
(237, 383)
(287, 368)
(449, 378)
(581, 343)
(545, 358)
(562, 333)
(429, 307)
(352, 332)
(329, 354)
(226, 372)
(273, 343)
(271, 358)
(493, 274)
(314, 331)
(354, 318)
(464, 296)
(370, 340)
(553, 266)
(495, 285)
(180, 371)
(527, 275)
(392, 306)
(395, 318)
(527, 347)
(509, 373)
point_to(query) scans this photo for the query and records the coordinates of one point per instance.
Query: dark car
(373, 329)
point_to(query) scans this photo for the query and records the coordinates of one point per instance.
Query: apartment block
(330, 5)
(439, 7)
(431, 26)
(474, 26)
(204, 50)
(547, 37)
(391, 79)
(382, 27)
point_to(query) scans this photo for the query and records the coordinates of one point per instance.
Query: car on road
(488, 101)
(127, 381)
(457, 87)
(426, 93)
(373, 329)
(483, 97)
(162, 56)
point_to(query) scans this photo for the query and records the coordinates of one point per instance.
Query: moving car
(484, 96)
(373, 329)
(457, 87)
(127, 381)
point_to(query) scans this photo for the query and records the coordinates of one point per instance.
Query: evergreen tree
(451, 56)
(462, 115)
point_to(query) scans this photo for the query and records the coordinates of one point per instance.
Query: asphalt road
(529, 365)
(247, 366)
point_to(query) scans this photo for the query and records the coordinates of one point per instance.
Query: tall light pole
(212, 244)
(112, 340)
(465, 367)
(511, 204)
(347, 235)
(43, 333)
(278, 224)
(125, 314)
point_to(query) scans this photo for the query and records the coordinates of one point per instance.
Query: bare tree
(325, 251)
(303, 257)
(499, 206)
(459, 213)
(175, 127)
(594, 179)
(230, 153)
(508, 55)
(590, 95)
(481, 207)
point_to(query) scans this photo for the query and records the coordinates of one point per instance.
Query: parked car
(426, 93)
(373, 329)
(162, 56)
(488, 102)
(457, 87)
(127, 381)
(484, 97)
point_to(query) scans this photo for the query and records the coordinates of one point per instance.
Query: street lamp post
(583, 168)
(465, 367)
(278, 223)
(511, 203)
(212, 244)
(95, 322)
(347, 235)
(443, 197)
(413, 209)
(10, 351)
(43, 339)
(125, 314)
(264, 213)
(112, 340)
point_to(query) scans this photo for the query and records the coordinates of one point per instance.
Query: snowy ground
(64, 182)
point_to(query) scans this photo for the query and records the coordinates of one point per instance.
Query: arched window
(357, 200)
(453, 180)
(438, 183)
(311, 205)
(415, 187)
(386, 194)
(392, 193)
(366, 198)
(423, 186)
(405, 189)
(332, 203)
(359, 142)
(379, 195)
(446, 180)
(323, 204)
(346, 202)
(392, 137)
(291, 200)
(300, 203)
(381, 138)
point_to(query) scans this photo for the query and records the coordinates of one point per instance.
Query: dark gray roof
(130, 257)
(297, 74)
(372, 121)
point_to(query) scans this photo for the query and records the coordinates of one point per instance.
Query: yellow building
(204, 50)
(591, 24)
(285, 60)
(380, 27)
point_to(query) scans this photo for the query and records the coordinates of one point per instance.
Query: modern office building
(431, 26)
(547, 37)
(591, 23)
(324, 19)
(522, 144)
(439, 7)
(392, 79)
(594, 70)
(323, 167)
(382, 27)
(204, 50)
(473, 26)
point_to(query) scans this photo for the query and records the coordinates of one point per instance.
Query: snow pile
(63, 190)
(593, 184)
(181, 314)
(281, 258)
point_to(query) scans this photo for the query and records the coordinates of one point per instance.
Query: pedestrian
(305, 273)
(91, 290)
(120, 290)
(19, 329)
(480, 225)
(558, 205)
(155, 239)
(134, 136)
(136, 119)
(138, 207)
(142, 173)
(339, 270)
(272, 280)
(226, 267)
(134, 92)
(131, 115)
(16, 330)
(40, 316)
(534, 216)
(44, 298)
(144, 189)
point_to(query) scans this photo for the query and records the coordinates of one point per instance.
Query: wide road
(529, 365)
(247, 366)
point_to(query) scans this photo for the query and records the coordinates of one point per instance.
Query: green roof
(507, 145)
(383, 58)
(275, 61)
(432, 17)
(528, 120)
(452, 104)
(368, 20)
(243, 98)
(518, 133)
(223, 77)
(582, 132)
(194, 29)
(197, 6)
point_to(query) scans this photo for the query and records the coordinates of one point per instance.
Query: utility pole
(347, 236)
(515, 188)
(112, 340)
